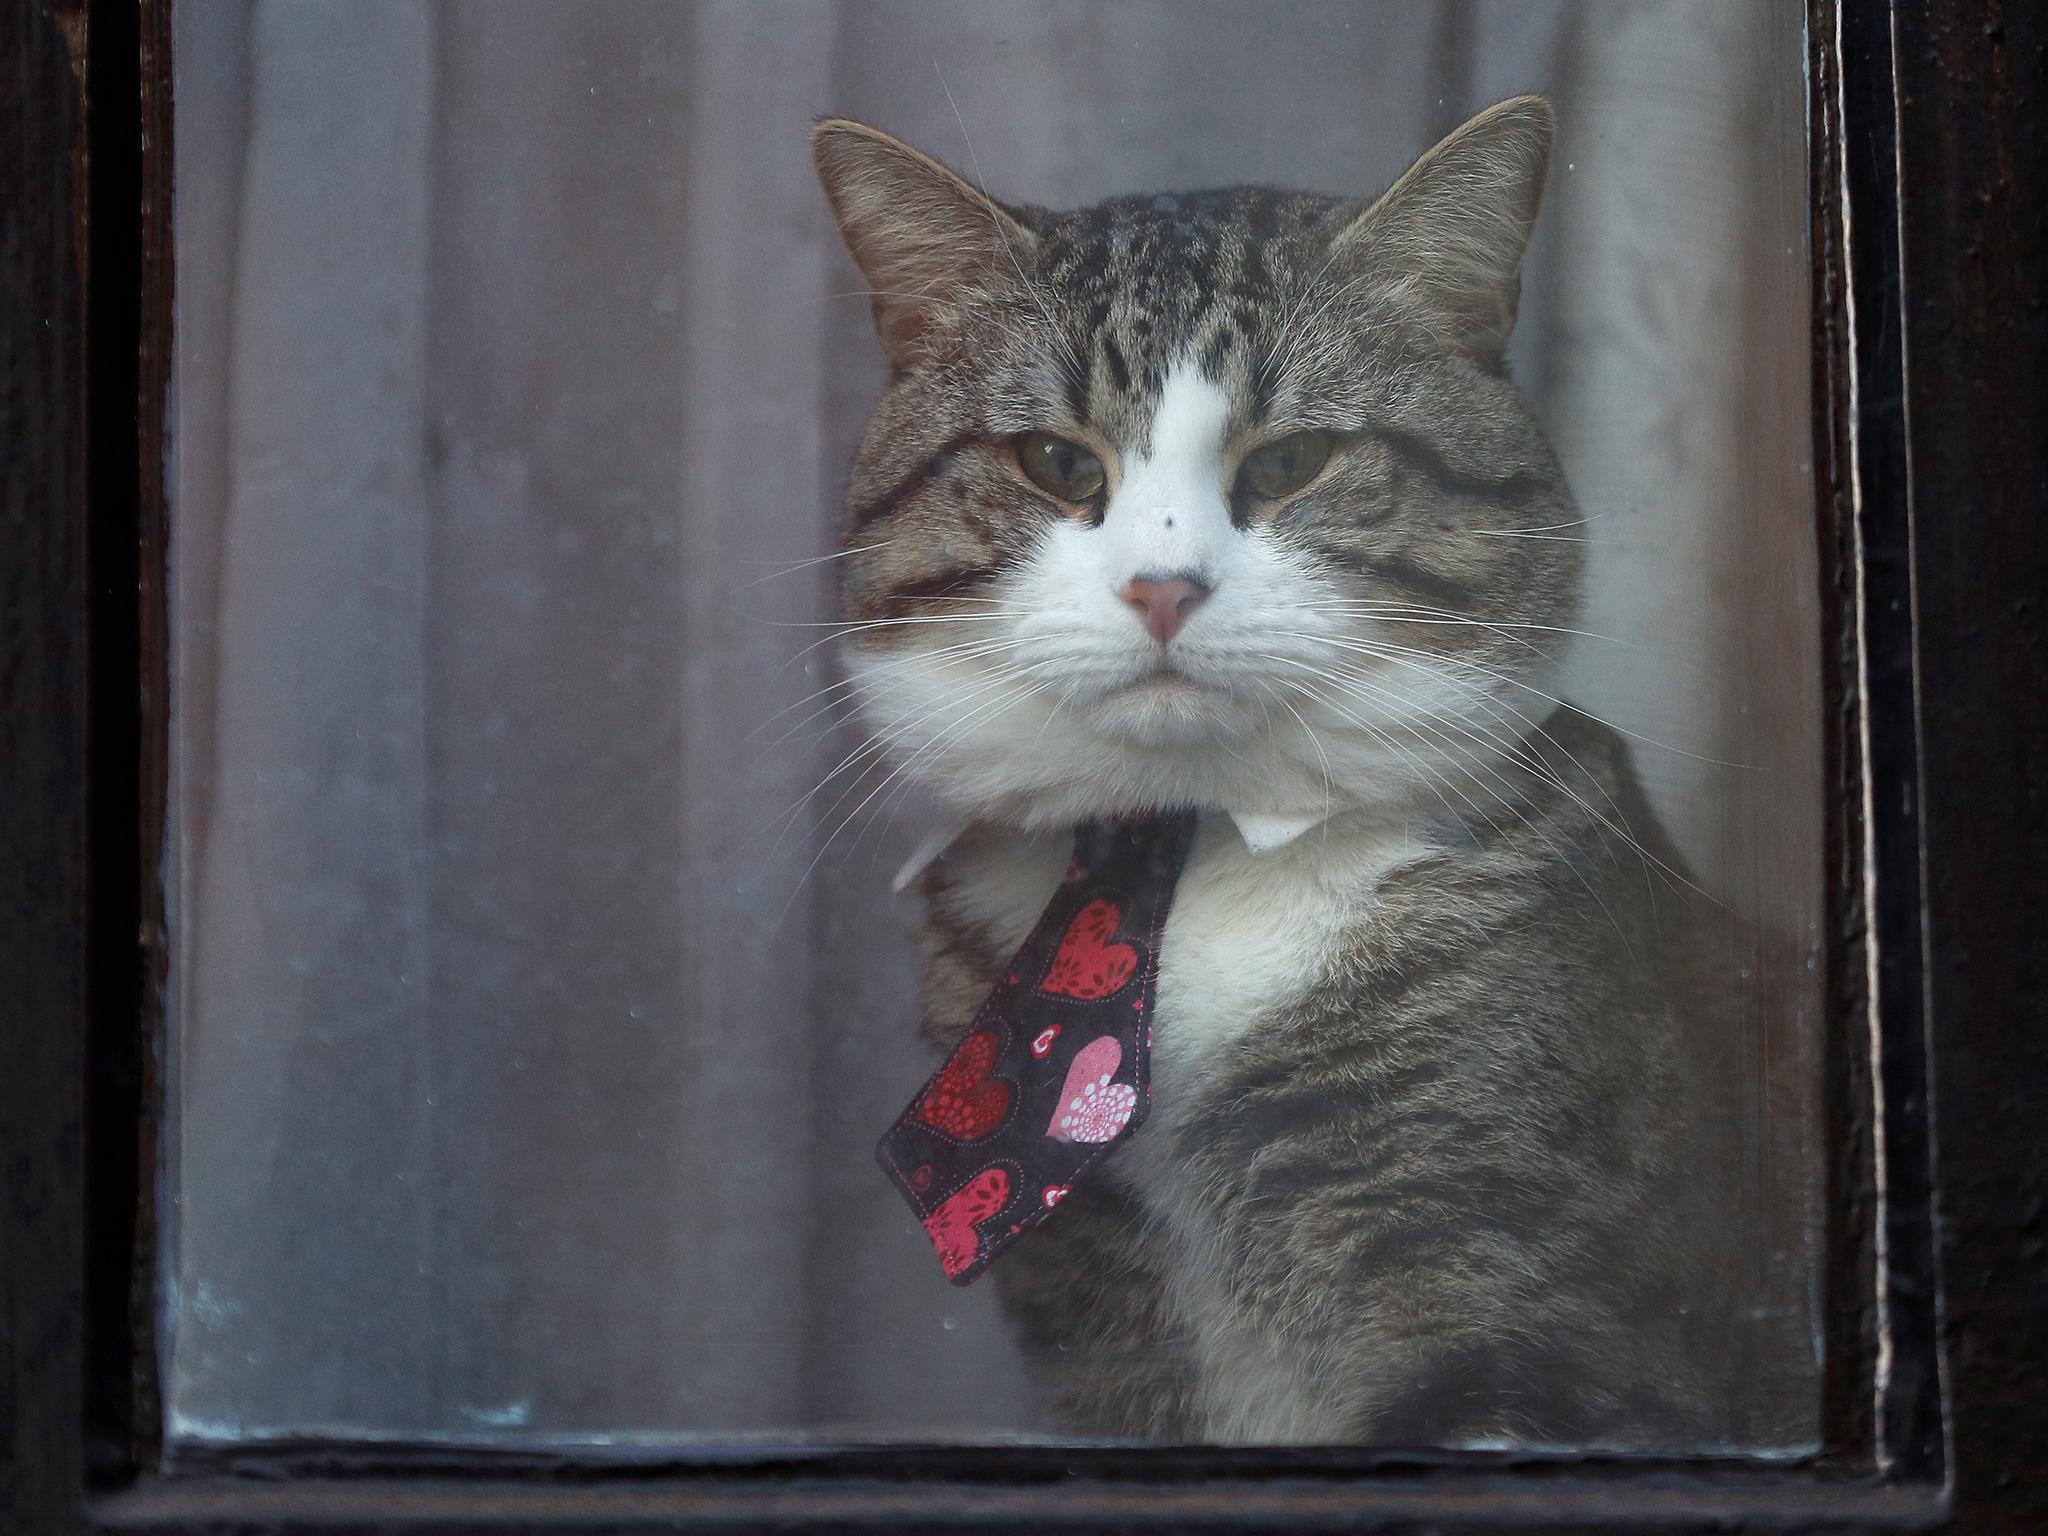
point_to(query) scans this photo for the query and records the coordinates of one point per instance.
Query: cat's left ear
(928, 244)
(1454, 228)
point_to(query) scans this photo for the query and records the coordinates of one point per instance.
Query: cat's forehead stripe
(1153, 280)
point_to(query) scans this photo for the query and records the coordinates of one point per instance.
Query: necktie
(1055, 1069)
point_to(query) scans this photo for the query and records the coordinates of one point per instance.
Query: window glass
(540, 992)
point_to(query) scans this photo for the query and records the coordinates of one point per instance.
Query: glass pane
(541, 990)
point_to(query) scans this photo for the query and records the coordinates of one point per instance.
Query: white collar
(1262, 831)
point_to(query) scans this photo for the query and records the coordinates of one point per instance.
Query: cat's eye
(1284, 467)
(1059, 467)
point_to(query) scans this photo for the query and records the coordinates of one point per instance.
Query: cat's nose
(1165, 601)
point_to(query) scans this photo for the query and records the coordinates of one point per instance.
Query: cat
(1209, 500)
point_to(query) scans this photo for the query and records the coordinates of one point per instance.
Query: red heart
(951, 1226)
(1088, 965)
(963, 1100)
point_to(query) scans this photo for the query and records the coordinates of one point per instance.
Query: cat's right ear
(928, 244)
(1453, 229)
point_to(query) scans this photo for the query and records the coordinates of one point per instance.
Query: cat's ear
(1453, 229)
(927, 242)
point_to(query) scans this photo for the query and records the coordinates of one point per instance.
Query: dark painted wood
(43, 745)
(1905, 1393)
(1934, 489)
(127, 133)
(1849, 1260)
(1973, 114)
(1467, 1501)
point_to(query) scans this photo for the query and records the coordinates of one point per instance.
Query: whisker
(946, 597)
(1518, 752)
(931, 749)
(1414, 614)
(1429, 781)
(854, 627)
(1553, 538)
(884, 293)
(1501, 626)
(1053, 331)
(1577, 522)
(805, 565)
(1466, 663)
(945, 736)
(871, 748)
(1329, 790)
(867, 754)
(1456, 764)
(842, 631)
(966, 651)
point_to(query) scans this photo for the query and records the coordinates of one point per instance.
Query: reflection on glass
(539, 993)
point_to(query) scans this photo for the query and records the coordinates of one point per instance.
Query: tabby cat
(1212, 500)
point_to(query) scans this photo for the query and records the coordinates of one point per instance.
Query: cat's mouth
(1166, 705)
(1164, 678)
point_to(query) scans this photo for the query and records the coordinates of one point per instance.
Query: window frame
(1933, 864)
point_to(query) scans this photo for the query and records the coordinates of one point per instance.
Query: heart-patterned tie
(1055, 1070)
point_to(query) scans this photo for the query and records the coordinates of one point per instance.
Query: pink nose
(1166, 603)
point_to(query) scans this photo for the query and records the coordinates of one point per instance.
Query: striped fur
(1448, 1144)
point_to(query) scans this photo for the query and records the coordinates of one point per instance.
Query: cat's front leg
(1087, 1294)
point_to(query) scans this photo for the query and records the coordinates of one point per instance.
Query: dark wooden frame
(1930, 348)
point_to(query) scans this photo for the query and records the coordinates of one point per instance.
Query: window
(536, 989)
(1883, 1420)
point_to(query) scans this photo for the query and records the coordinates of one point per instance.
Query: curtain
(531, 1027)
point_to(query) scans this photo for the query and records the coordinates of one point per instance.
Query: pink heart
(1092, 1108)
(951, 1226)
